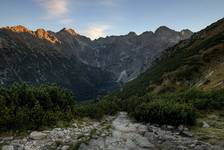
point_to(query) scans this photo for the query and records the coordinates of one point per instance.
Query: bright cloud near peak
(96, 31)
(54, 8)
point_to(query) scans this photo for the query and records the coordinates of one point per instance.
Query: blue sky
(95, 18)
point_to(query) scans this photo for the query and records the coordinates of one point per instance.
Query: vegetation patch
(24, 107)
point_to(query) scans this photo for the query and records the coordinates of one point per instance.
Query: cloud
(96, 31)
(55, 9)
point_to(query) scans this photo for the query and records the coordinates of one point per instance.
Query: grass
(216, 79)
(215, 133)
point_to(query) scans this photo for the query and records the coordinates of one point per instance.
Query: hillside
(196, 62)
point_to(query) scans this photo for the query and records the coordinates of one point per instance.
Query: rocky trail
(112, 133)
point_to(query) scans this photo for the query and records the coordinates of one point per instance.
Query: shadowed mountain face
(197, 62)
(75, 62)
(129, 55)
(124, 56)
(37, 58)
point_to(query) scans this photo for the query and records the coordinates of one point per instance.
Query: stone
(8, 138)
(180, 147)
(150, 136)
(141, 141)
(37, 135)
(180, 127)
(187, 134)
(130, 144)
(83, 147)
(186, 129)
(65, 147)
(205, 125)
(169, 127)
(18, 147)
(142, 129)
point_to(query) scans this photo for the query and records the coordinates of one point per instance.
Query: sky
(100, 18)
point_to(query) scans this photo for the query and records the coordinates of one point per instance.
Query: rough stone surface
(111, 133)
(127, 135)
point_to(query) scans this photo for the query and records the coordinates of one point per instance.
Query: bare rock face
(185, 34)
(18, 28)
(70, 31)
(42, 34)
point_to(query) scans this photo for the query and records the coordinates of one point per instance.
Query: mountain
(124, 56)
(37, 58)
(193, 63)
(129, 55)
(75, 62)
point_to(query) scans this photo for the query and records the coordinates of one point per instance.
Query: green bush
(165, 112)
(202, 99)
(88, 110)
(31, 107)
(97, 109)
(24, 107)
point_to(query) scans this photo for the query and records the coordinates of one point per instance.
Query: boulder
(205, 125)
(142, 129)
(37, 135)
(181, 128)
(140, 141)
(169, 127)
(187, 134)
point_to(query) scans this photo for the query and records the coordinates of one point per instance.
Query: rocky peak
(132, 34)
(186, 34)
(163, 29)
(69, 31)
(42, 34)
(146, 35)
(18, 28)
